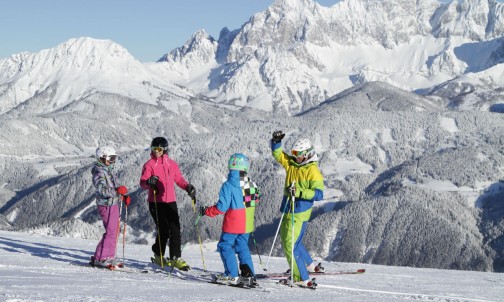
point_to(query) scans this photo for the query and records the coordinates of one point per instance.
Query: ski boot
(179, 264)
(161, 261)
(319, 269)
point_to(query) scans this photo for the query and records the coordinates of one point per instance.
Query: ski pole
(276, 234)
(157, 226)
(199, 234)
(257, 249)
(293, 200)
(124, 229)
(118, 231)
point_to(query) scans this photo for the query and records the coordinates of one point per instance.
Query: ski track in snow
(409, 296)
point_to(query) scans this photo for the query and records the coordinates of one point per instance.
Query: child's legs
(158, 213)
(226, 248)
(173, 221)
(299, 270)
(300, 253)
(107, 246)
(243, 251)
(305, 256)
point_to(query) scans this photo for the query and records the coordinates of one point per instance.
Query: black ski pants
(167, 220)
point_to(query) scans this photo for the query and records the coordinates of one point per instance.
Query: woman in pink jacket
(159, 176)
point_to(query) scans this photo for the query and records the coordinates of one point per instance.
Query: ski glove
(127, 200)
(191, 191)
(122, 190)
(295, 193)
(152, 181)
(278, 136)
(202, 210)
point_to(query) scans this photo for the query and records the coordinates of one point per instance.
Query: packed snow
(40, 268)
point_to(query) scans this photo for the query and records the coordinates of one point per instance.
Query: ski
(115, 268)
(358, 271)
(182, 274)
(210, 278)
(313, 274)
(244, 283)
(312, 284)
(233, 285)
(169, 269)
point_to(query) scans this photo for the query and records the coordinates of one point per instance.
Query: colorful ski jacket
(237, 200)
(169, 174)
(308, 179)
(105, 183)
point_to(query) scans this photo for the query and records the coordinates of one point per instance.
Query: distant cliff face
(296, 54)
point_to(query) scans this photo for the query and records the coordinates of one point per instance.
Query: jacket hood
(234, 177)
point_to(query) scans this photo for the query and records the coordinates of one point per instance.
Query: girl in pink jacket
(159, 176)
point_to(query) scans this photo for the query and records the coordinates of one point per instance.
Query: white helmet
(302, 147)
(106, 153)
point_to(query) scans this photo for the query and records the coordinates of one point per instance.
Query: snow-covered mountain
(296, 54)
(76, 69)
(411, 179)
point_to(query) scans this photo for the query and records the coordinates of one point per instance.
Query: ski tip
(361, 271)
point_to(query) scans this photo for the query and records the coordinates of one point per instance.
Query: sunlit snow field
(39, 268)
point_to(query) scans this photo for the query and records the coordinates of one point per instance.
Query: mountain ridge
(292, 35)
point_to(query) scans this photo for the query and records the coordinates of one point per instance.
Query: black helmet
(160, 142)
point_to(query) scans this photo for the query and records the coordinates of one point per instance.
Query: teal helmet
(239, 161)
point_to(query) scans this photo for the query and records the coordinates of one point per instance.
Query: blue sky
(147, 29)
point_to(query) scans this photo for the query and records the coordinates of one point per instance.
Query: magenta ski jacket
(169, 174)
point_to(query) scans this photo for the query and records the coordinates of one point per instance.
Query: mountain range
(402, 100)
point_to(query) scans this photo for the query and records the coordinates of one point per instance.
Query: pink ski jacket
(169, 174)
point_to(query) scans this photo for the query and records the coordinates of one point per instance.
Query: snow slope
(39, 268)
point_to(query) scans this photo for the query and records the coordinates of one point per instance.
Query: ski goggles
(298, 154)
(157, 149)
(110, 158)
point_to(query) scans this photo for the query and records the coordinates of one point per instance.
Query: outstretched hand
(277, 136)
(202, 210)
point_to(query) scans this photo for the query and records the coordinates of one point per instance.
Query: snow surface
(40, 268)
